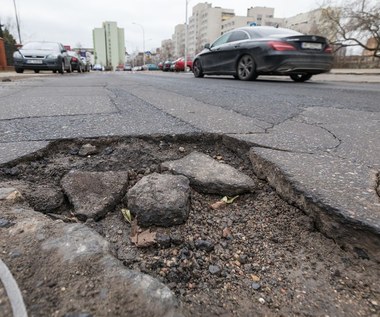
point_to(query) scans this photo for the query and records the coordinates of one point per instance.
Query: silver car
(39, 56)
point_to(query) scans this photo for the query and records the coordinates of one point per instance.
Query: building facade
(109, 45)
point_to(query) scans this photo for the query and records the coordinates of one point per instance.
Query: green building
(109, 45)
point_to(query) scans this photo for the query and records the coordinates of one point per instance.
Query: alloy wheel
(246, 68)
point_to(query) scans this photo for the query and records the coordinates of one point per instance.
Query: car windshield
(41, 46)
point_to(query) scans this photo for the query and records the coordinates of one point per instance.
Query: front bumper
(37, 64)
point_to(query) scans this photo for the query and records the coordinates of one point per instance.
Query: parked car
(160, 65)
(39, 56)
(166, 66)
(76, 62)
(180, 64)
(119, 68)
(151, 67)
(127, 67)
(172, 66)
(98, 67)
(87, 64)
(248, 52)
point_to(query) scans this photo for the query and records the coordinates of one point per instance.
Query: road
(323, 135)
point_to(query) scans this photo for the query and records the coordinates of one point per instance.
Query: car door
(234, 46)
(66, 57)
(212, 59)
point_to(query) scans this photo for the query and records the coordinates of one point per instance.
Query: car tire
(197, 69)
(246, 68)
(54, 71)
(70, 69)
(19, 70)
(36, 71)
(300, 78)
(62, 69)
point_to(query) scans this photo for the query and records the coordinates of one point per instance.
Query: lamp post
(186, 35)
(142, 28)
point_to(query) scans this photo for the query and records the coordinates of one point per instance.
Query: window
(238, 36)
(221, 40)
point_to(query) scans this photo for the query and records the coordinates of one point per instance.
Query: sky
(71, 21)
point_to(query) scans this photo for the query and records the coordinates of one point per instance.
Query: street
(316, 144)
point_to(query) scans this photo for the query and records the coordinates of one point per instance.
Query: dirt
(257, 256)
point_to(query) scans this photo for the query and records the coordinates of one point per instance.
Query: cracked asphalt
(323, 135)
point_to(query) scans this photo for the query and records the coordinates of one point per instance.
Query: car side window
(221, 40)
(238, 36)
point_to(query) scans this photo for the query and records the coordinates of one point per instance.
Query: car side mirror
(63, 51)
(207, 46)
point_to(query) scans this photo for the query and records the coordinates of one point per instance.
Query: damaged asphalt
(317, 143)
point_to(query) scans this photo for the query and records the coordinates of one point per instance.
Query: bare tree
(357, 23)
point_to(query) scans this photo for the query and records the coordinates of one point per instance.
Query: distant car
(87, 64)
(151, 67)
(76, 62)
(160, 65)
(127, 67)
(98, 67)
(119, 68)
(248, 52)
(172, 66)
(39, 56)
(137, 68)
(180, 64)
(166, 66)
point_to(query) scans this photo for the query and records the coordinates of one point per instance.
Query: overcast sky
(71, 21)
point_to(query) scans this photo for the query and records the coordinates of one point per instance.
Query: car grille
(32, 56)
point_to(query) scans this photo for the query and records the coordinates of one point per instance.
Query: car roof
(259, 29)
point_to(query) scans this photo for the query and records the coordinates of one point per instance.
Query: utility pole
(17, 22)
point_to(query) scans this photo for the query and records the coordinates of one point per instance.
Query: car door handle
(237, 46)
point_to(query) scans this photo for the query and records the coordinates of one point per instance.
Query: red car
(180, 62)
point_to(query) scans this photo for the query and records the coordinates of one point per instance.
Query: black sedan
(248, 52)
(42, 56)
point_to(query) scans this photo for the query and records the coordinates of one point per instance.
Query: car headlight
(17, 54)
(52, 56)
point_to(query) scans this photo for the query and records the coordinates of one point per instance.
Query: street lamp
(186, 35)
(142, 28)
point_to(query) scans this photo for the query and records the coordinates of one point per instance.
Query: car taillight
(74, 59)
(281, 46)
(328, 49)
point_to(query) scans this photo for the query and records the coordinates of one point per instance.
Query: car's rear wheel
(36, 71)
(54, 71)
(246, 68)
(300, 78)
(19, 70)
(197, 69)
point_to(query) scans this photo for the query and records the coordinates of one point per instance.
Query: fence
(355, 62)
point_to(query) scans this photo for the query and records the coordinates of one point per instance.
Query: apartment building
(205, 25)
(109, 45)
(178, 40)
(255, 16)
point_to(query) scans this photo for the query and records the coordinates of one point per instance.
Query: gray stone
(9, 193)
(45, 199)
(160, 199)
(87, 149)
(93, 194)
(209, 176)
(214, 269)
(204, 245)
(255, 286)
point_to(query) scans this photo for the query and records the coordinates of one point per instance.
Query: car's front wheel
(300, 78)
(19, 70)
(62, 69)
(246, 68)
(197, 69)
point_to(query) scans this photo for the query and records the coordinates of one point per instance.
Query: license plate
(34, 61)
(311, 46)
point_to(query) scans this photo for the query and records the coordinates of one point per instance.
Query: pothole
(254, 256)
